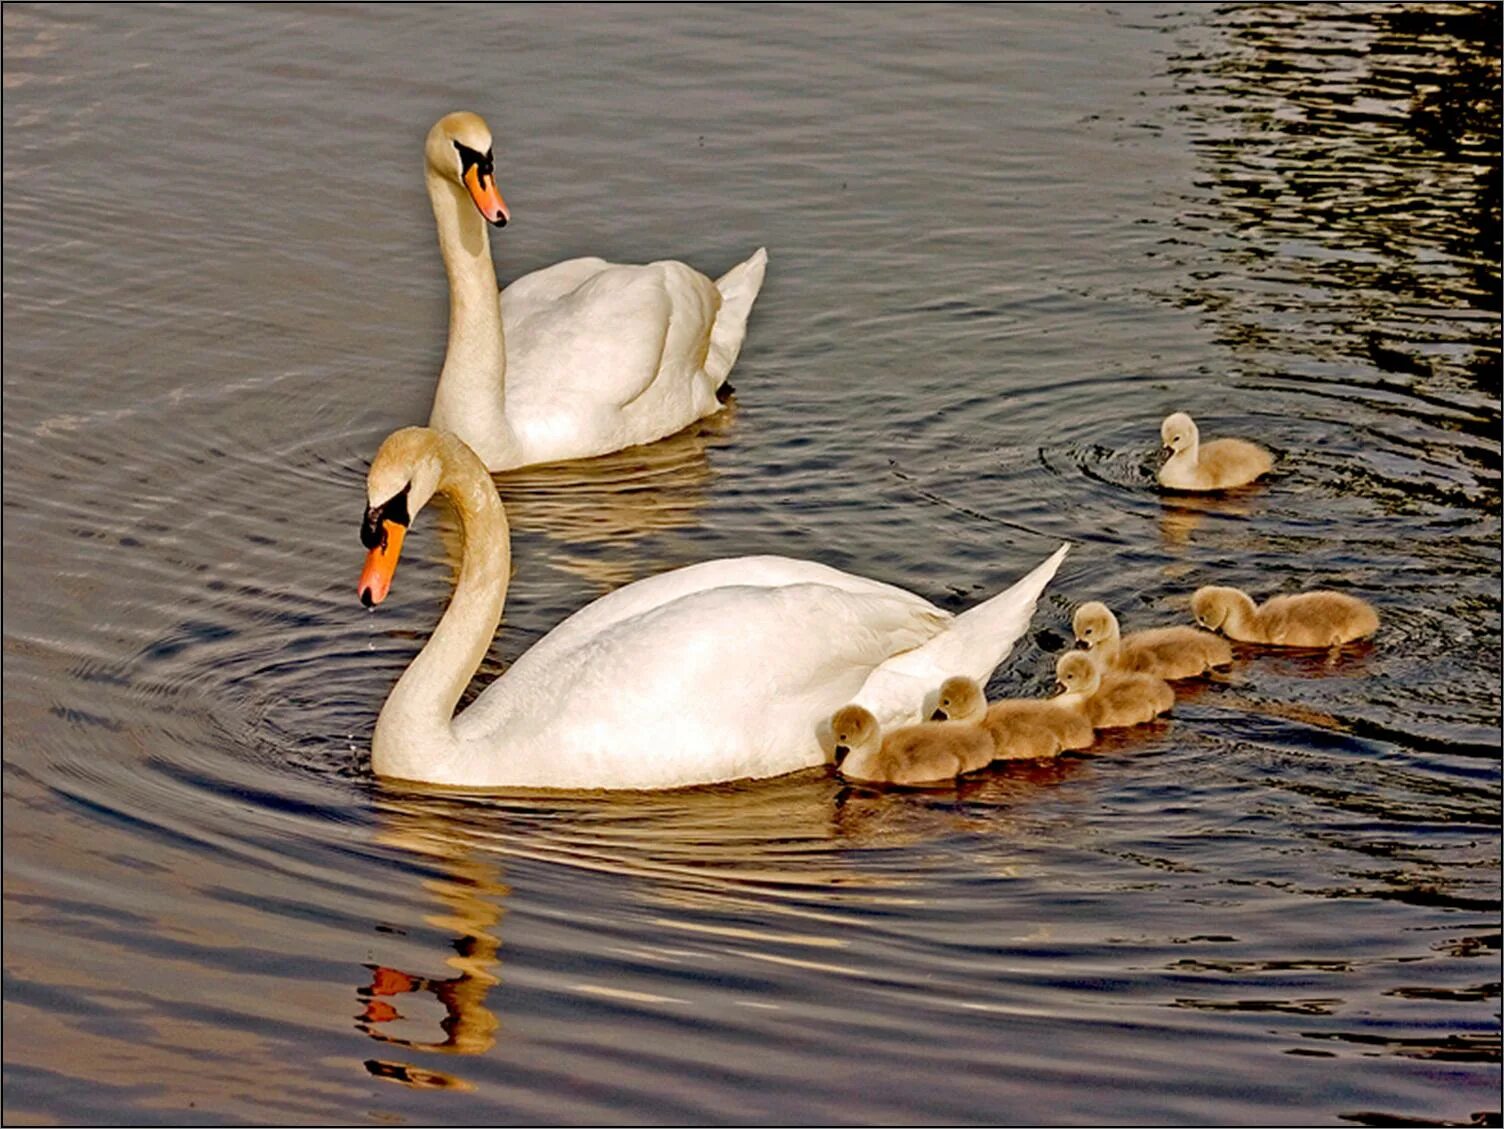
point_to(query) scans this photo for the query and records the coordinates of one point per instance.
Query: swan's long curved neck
(472, 385)
(415, 730)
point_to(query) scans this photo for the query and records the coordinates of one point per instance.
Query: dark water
(1005, 243)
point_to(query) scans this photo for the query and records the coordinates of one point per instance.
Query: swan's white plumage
(712, 672)
(717, 684)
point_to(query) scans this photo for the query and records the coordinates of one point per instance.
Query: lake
(1004, 243)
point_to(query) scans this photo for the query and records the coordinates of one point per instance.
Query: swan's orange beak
(487, 196)
(381, 563)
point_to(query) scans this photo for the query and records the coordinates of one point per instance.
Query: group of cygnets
(1112, 681)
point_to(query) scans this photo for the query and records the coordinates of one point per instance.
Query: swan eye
(482, 162)
(393, 509)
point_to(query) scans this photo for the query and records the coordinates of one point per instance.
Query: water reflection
(792, 849)
(1181, 515)
(592, 516)
(1354, 156)
(470, 896)
(593, 512)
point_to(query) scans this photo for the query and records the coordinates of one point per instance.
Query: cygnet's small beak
(841, 751)
(1059, 689)
(1165, 454)
(487, 196)
(939, 715)
(1082, 645)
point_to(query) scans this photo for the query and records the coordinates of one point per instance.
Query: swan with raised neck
(578, 359)
(715, 671)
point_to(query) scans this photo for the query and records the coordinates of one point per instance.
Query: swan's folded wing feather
(745, 572)
(606, 340)
(536, 291)
(903, 688)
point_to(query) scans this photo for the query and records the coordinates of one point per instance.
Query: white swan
(580, 358)
(716, 671)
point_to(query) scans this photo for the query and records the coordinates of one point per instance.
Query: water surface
(1004, 242)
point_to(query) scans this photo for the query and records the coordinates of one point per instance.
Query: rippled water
(1005, 242)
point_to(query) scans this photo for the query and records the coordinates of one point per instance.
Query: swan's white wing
(605, 340)
(720, 684)
(536, 291)
(747, 572)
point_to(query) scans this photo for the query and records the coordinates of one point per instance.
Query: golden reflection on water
(471, 909)
(796, 850)
(1182, 515)
(593, 513)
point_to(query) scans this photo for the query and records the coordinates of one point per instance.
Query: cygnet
(1021, 728)
(1111, 701)
(1165, 652)
(1221, 464)
(1309, 619)
(927, 753)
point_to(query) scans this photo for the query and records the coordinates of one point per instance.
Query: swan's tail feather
(1002, 619)
(738, 287)
(974, 643)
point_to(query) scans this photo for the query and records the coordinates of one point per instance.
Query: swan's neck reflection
(793, 854)
(471, 911)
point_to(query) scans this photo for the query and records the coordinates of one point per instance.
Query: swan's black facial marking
(373, 528)
(483, 163)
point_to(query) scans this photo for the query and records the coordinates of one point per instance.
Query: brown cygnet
(928, 753)
(1309, 619)
(1165, 652)
(1111, 701)
(1220, 464)
(1021, 728)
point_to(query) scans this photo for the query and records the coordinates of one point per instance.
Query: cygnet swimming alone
(1112, 700)
(1165, 652)
(1309, 619)
(927, 753)
(1220, 464)
(1021, 728)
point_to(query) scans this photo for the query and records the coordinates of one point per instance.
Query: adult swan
(716, 671)
(580, 358)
